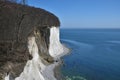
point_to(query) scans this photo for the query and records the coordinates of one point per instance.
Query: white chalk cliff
(55, 48)
(30, 45)
(35, 69)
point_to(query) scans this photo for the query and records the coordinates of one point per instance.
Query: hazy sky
(83, 13)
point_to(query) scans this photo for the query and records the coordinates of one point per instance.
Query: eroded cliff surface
(20, 27)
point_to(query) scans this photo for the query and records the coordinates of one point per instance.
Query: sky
(83, 13)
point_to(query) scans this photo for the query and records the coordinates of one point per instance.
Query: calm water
(95, 54)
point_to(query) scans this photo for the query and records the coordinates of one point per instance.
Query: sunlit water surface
(95, 54)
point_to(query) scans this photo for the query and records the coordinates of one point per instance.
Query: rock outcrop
(20, 27)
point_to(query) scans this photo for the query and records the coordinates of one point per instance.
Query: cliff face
(29, 41)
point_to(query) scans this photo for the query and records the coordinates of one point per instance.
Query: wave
(76, 43)
(116, 42)
(79, 46)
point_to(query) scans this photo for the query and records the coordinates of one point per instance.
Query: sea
(94, 54)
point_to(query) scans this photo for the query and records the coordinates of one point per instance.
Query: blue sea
(95, 54)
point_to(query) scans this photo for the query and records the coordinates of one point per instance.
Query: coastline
(57, 70)
(52, 71)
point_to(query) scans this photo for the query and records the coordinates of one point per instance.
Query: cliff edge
(29, 42)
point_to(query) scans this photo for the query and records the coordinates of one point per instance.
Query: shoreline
(52, 71)
(57, 72)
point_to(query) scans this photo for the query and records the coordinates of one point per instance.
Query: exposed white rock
(55, 47)
(35, 69)
(7, 77)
